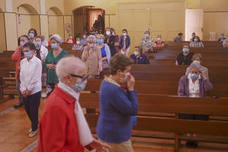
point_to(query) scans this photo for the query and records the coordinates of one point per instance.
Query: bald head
(70, 65)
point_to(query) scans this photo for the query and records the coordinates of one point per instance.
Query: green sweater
(50, 59)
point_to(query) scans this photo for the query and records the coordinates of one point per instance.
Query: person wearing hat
(52, 59)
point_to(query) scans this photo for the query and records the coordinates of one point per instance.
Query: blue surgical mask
(31, 35)
(54, 46)
(79, 86)
(185, 50)
(22, 43)
(194, 76)
(38, 43)
(28, 55)
(99, 41)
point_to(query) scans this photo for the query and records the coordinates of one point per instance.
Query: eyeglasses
(79, 76)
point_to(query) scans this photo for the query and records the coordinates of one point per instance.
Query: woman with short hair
(185, 57)
(52, 59)
(92, 57)
(117, 105)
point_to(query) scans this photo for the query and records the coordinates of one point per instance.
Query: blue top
(128, 42)
(142, 59)
(116, 108)
(103, 52)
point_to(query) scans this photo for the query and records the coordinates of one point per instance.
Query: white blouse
(194, 88)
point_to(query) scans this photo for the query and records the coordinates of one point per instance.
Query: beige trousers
(120, 147)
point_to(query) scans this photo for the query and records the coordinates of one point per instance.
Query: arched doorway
(55, 21)
(27, 18)
(84, 19)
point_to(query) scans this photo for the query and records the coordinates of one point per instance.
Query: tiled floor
(15, 124)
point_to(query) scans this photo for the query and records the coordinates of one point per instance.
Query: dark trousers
(20, 97)
(32, 104)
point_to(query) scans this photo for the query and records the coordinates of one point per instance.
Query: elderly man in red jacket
(63, 127)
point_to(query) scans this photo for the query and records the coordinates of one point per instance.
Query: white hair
(57, 38)
(92, 38)
(194, 65)
(69, 65)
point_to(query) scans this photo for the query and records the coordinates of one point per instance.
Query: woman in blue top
(117, 105)
(105, 51)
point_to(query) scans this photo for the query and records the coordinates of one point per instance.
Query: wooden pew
(149, 104)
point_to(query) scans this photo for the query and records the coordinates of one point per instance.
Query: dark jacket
(141, 60)
(128, 41)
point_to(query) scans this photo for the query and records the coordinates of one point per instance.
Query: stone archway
(27, 17)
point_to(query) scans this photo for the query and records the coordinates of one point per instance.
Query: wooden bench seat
(170, 104)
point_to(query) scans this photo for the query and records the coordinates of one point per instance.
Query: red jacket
(16, 56)
(58, 128)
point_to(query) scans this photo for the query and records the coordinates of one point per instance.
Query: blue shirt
(116, 108)
(103, 52)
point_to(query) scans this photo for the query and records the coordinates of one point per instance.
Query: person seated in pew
(197, 60)
(197, 43)
(193, 37)
(147, 43)
(225, 43)
(118, 106)
(179, 37)
(138, 57)
(194, 85)
(91, 55)
(63, 127)
(17, 56)
(78, 46)
(158, 44)
(221, 38)
(185, 57)
(71, 40)
(105, 51)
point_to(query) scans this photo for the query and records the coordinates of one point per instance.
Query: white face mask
(136, 53)
(78, 42)
(79, 86)
(146, 35)
(124, 34)
(108, 32)
(158, 38)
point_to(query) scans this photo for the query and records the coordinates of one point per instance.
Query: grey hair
(69, 65)
(57, 38)
(194, 65)
(92, 38)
